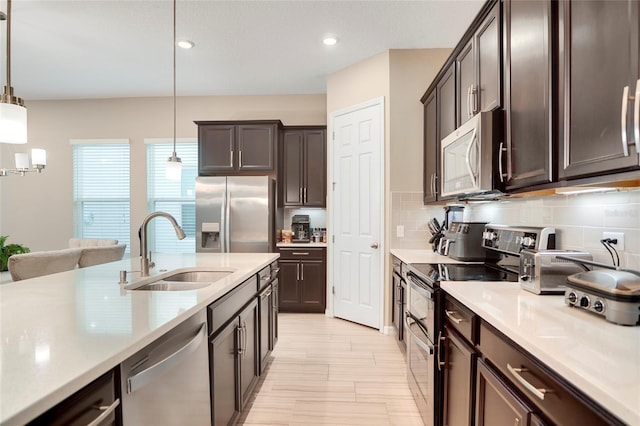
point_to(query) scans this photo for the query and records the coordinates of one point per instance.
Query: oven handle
(418, 284)
(474, 141)
(419, 342)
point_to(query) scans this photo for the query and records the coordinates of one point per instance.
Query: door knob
(374, 245)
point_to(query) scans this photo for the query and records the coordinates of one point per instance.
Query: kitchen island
(59, 332)
(595, 356)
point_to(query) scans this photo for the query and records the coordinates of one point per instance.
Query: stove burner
(433, 273)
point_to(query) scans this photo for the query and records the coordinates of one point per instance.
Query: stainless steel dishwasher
(167, 382)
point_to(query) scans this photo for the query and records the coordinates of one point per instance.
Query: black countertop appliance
(300, 229)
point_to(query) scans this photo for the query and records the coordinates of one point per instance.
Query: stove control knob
(524, 277)
(572, 298)
(528, 241)
(598, 306)
(585, 302)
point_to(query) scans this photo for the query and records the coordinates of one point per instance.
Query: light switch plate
(400, 231)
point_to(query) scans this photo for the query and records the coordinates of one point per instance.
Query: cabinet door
(315, 168)
(256, 147)
(223, 369)
(599, 59)
(289, 296)
(528, 89)
(496, 404)
(248, 358)
(431, 150)
(312, 286)
(459, 380)
(488, 46)
(292, 155)
(215, 149)
(446, 100)
(466, 83)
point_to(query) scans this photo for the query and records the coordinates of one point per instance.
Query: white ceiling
(72, 49)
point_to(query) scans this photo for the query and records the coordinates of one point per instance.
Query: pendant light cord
(7, 88)
(174, 77)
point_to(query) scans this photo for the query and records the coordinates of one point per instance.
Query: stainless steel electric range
(424, 317)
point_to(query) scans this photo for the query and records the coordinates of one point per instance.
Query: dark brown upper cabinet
(431, 150)
(527, 154)
(446, 103)
(239, 147)
(304, 163)
(598, 78)
(478, 65)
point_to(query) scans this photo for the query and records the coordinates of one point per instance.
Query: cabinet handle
(244, 339)
(474, 99)
(431, 184)
(299, 253)
(440, 340)
(500, 171)
(240, 345)
(302, 272)
(636, 117)
(298, 272)
(469, 102)
(538, 392)
(106, 412)
(623, 121)
(449, 315)
(304, 197)
(240, 159)
(231, 158)
(435, 184)
(300, 194)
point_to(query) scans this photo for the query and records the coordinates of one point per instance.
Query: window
(101, 190)
(174, 197)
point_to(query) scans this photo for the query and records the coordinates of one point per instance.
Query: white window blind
(174, 197)
(101, 191)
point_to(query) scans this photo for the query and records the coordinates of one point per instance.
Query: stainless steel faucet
(145, 262)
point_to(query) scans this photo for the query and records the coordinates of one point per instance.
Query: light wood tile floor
(327, 371)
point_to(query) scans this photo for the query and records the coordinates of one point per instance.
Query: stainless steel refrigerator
(235, 214)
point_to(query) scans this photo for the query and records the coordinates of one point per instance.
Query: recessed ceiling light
(186, 44)
(330, 40)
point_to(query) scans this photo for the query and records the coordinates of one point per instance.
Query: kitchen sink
(182, 280)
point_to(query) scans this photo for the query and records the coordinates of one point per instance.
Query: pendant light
(13, 114)
(174, 163)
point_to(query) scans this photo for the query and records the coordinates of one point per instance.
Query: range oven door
(421, 303)
(421, 369)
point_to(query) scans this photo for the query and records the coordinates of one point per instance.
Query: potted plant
(8, 251)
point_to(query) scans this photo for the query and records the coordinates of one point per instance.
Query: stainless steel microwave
(470, 157)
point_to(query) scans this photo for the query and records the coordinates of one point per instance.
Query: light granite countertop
(600, 358)
(59, 332)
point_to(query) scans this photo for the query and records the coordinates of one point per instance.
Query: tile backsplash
(579, 220)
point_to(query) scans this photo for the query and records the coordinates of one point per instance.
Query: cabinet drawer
(561, 404)
(461, 319)
(264, 277)
(301, 253)
(225, 308)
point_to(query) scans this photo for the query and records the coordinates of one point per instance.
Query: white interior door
(357, 211)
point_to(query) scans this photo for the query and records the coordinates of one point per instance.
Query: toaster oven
(542, 272)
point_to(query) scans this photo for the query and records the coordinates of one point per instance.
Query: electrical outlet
(400, 231)
(615, 236)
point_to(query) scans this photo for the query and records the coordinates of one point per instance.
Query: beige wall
(37, 210)
(411, 72)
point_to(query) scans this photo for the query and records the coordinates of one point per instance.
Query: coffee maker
(300, 229)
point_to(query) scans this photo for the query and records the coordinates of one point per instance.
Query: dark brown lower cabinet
(496, 404)
(234, 365)
(97, 402)
(302, 280)
(458, 377)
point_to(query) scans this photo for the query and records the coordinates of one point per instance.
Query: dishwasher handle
(141, 379)
(106, 411)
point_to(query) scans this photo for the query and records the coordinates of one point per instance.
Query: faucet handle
(123, 277)
(150, 262)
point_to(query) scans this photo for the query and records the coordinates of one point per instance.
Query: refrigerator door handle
(223, 224)
(226, 220)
